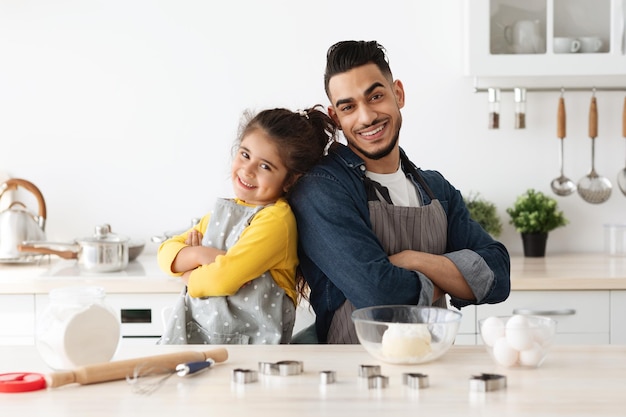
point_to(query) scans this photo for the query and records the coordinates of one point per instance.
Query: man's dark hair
(345, 55)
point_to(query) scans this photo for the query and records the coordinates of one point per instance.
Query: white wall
(124, 111)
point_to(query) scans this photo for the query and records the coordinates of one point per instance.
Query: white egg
(492, 329)
(503, 353)
(532, 356)
(518, 333)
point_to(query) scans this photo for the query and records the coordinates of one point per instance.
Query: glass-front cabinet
(545, 37)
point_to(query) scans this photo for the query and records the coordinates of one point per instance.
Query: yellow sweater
(268, 244)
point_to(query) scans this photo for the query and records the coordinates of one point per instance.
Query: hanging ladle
(562, 185)
(621, 176)
(593, 188)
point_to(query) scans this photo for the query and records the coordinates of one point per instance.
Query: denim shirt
(341, 257)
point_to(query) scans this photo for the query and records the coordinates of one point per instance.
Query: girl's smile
(258, 174)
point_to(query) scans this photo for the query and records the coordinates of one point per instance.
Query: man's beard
(383, 152)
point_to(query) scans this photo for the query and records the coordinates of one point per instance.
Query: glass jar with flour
(77, 328)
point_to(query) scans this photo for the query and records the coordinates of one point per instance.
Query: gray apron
(259, 313)
(398, 228)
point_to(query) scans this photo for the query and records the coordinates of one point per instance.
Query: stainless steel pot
(103, 252)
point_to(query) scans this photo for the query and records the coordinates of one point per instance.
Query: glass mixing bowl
(405, 334)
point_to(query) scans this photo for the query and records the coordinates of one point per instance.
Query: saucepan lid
(103, 235)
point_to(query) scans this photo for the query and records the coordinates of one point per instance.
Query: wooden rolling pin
(111, 371)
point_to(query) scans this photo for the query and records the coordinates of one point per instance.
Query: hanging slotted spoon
(621, 176)
(562, 185)
(593, 188)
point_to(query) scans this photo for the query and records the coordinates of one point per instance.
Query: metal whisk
(147, 379)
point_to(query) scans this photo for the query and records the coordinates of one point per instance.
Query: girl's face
(258, 173)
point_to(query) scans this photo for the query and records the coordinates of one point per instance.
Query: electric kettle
(17, 224)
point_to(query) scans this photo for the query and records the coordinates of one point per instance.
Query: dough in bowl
(403, 340)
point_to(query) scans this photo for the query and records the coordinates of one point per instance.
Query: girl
(239, 262)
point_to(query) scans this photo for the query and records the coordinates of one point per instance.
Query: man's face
(367, 108)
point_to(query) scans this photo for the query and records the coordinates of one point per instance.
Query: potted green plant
(484, 213)
(534, 215)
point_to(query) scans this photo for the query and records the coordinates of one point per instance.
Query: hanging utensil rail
(553, 89)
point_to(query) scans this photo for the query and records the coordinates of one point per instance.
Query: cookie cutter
(366, 371)
(327, 377)
(283, 368)
(415, 380)
(487, 382)
(244, 376)
(378, 381)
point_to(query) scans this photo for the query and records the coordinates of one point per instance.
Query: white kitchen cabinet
(583, 317)
(618, 313)
(17, 318)
(515, 38)
(467, 328)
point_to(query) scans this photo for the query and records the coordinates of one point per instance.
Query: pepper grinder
(520, 108)
(494, 108)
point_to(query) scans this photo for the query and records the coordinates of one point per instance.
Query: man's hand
(440, 270)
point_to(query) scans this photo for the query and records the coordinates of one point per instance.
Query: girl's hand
(194, 238)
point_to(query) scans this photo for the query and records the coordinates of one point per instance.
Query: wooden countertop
(554, 272)
(569, 272)
(573, 381)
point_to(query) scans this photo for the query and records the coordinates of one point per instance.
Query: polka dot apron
(259, 313)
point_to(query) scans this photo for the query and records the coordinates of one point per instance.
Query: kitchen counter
(554, 272)
(141, 276)
(579, 271)
(573, 381)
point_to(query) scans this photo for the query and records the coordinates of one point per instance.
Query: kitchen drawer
(465, 339)
(618, 312)
(582, 316)
(468, 321)
(17, 315)
(467, 328)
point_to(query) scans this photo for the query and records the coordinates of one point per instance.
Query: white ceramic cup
(524, 37)
(590, 44)
(565, 45)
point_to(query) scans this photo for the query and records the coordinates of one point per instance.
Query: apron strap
(375, 191)
(408, 166)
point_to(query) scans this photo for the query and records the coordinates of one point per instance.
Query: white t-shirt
(401, 190)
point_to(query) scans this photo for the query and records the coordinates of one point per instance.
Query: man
(373, 228)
